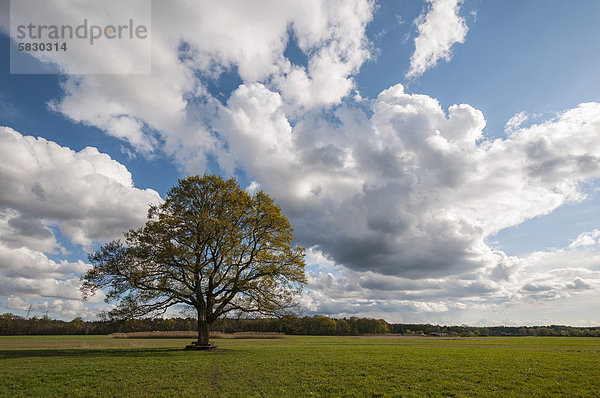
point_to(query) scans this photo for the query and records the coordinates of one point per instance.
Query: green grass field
(300, 366)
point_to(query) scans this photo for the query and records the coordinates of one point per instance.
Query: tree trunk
(203, 330)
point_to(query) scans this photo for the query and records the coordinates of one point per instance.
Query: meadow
(300, 366)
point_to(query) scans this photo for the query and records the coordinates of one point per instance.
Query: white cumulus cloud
(411, 190)
(533, 281)
(160, 112)
(85, 195)
(88, 195)
(438, 30)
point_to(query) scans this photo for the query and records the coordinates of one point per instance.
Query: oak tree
(211, 246)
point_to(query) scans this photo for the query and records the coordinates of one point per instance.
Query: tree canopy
(211, 246)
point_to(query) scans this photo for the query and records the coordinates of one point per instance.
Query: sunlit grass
(300, 366)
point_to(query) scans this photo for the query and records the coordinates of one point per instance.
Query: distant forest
(316, 325)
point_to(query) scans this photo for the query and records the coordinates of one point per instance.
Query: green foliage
(301, 366)
(289, 324)
(211, 246)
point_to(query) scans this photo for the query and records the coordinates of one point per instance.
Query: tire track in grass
(213, 378)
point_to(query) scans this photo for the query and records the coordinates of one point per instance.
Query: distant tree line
(315, 325)
(496, 331)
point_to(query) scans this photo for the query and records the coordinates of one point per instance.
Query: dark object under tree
(211, 246)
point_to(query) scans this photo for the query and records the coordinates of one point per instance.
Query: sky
(438, 159)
